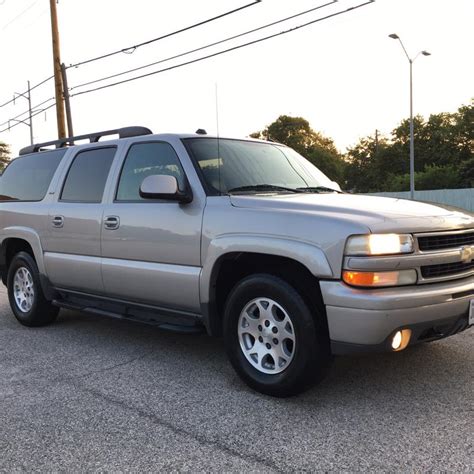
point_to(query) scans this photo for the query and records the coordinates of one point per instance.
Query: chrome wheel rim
(23, 289)
(266, 336)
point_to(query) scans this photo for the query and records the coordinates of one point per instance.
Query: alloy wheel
(266, 335)
(23, 289)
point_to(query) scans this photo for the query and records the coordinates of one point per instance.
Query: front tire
(272, 338)
(25, 294)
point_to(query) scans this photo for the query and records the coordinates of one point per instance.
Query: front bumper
(363, 320)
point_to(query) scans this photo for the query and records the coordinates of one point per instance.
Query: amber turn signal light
(379, 279)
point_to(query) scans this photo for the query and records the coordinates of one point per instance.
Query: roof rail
(125, 132)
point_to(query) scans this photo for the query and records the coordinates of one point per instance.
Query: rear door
(72, 245)
(151, 248)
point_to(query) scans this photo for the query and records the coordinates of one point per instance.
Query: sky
(343, 74)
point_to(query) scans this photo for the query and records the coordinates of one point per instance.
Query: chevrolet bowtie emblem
(467, 254)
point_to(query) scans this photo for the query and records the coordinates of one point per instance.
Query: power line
(194, 60)
(19, 15)
(206, 46)
(131, 49)
(31, 89)
(26, 111)
(341, 12)
(33, 115)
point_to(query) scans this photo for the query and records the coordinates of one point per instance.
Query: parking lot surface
(94, 394)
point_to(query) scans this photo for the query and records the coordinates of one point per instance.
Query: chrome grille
(440, 243)
(445, 241)
(447, 269)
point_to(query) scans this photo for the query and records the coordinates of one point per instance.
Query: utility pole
(58, 83)
(26, 96)
(30, 116)
(67, 101)
(376, 141)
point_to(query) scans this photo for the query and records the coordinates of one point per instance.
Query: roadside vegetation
(4, 155)
(444, 153)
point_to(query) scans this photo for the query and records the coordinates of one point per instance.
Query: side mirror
(162, 186)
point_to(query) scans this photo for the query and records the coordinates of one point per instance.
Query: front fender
(311, 256)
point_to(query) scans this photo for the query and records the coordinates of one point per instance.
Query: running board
(169, 320)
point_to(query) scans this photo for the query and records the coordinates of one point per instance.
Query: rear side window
(28, 177)
(145, 159)
(85, 181)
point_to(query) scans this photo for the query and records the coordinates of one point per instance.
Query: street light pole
(412, 138)
(412, 132)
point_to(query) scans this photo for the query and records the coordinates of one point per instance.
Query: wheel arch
(16, 239)
(230, 259)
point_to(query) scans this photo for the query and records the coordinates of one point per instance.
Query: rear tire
(271, 337)
(25, 293)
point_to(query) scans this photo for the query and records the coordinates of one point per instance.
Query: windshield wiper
(318, 189)
(263, 187)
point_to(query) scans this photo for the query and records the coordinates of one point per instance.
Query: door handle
(112, 222)
(58, 221)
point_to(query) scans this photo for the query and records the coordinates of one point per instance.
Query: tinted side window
(27, 178)
(85, 181)
(145, 159)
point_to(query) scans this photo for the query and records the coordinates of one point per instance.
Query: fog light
(397, 340)
(401, 339)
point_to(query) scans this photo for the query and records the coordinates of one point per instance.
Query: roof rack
(125, 132)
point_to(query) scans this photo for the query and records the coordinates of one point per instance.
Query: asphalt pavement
(95, 394)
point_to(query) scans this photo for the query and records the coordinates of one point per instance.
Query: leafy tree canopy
(433, 177)
(297, 134)
(444, 152)
(4, 155)
(444, 146)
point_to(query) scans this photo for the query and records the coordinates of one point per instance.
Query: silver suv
(243, 238)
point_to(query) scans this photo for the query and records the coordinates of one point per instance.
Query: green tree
(444, 146)
(433, 177)
(464, 131)
(466, 172)
(297, 133)
(435, 140)
(371, 163)
(4, 155)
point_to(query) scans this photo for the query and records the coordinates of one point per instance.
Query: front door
(151, 248)
(72, 242)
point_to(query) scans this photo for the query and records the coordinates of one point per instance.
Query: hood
(380, 214)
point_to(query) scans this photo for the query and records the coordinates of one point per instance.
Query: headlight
(379, 244)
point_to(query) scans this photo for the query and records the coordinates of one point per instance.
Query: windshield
(245, 166)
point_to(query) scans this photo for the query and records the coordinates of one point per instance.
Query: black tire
(41, 312)
(310, 359)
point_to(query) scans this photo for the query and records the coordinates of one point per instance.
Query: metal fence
(463, 198)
